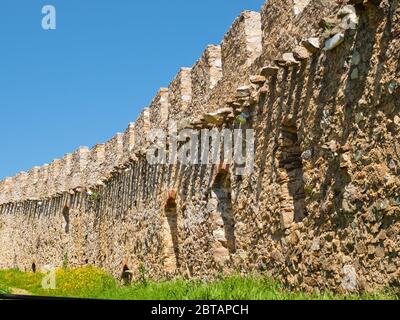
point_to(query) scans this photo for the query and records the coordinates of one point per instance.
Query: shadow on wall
(292, 173)
(171, 262)
(222, 219)
(65, 214)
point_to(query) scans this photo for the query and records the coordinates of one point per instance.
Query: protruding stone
(301, 53)
(243, 91)
(286, 60)
(333, 42)
(217, 117)
(289, 58)
(269, 71)
(264, 90)
(348, 9)
(224, 111)
(259, 80)
(197, 122)
(312, 44)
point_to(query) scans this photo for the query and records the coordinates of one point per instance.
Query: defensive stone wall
(318, 82)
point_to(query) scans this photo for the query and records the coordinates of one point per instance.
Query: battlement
(242, 44)
(205, 75)
(129, 141)
(54, 173)
(180, 95)
(300, 19)
(240, 48)
(33, 178)
(159, 109)
(66, 170)
(80, 159)
(95, 168)
(142, 127)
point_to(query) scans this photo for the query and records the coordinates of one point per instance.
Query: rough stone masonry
(319, 82)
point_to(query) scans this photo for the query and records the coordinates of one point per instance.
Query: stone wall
(321, 209)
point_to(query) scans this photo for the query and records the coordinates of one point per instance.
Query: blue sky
(83, 82)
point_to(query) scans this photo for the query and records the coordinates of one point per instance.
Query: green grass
(91, 282)
(4, 290)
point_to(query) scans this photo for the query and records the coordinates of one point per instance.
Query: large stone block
(33, 177)
(142, 127)
(129, 141)
(65, 174)
(242, 44)
(80, 160)
(205, 75)
(159, 110)
(180, 95)
(94, 169)
(114, 151)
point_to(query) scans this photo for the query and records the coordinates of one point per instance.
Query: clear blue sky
(82, 83)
